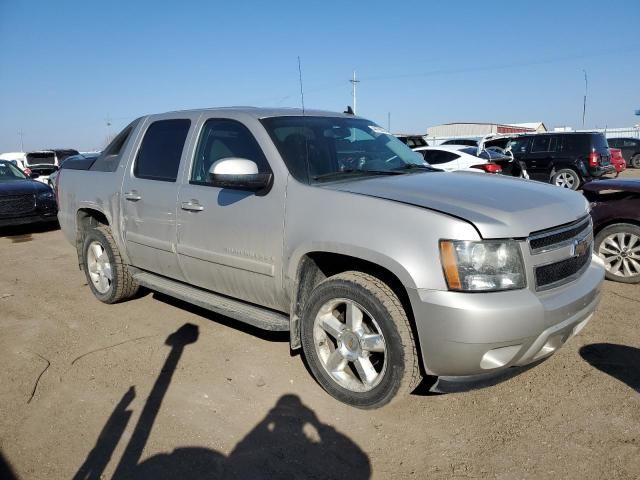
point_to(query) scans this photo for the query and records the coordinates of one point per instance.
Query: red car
(617, 160)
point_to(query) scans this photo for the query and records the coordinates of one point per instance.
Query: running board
(262, 318)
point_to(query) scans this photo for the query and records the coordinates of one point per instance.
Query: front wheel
(566, 178)
(358, 342)
(635, 161)
(619, 246)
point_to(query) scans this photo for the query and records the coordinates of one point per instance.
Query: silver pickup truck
(383, 269)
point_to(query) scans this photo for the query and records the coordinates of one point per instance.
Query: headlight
(482, 266)
(48, 195)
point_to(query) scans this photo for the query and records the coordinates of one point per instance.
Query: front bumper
(600, 171)
(463, 334)
(26, 220)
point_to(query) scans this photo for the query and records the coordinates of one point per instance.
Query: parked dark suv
(563, 159)
(630, 150)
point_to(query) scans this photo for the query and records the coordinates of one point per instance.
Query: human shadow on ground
(619, 361)
(6, 472)
(289, 442)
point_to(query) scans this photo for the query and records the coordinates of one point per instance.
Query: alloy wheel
(350, 345)
(621, 254)
(99, 267)
(565, 180)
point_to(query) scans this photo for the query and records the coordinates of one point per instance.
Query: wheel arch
(86, 218)
(615, 221)
(315, 266)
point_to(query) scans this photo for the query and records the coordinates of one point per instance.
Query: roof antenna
(300, 79)
(349, 110)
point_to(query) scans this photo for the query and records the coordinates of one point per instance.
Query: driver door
(230, 240)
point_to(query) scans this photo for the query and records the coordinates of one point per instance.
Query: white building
(449, 131)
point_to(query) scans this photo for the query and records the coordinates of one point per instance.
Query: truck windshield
(320, 149)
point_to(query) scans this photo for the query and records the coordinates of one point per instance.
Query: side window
(435, 157)
(222, 138)
(613, 142)
(109, 159)
(541, 144)
(630, 143)
(161, 149)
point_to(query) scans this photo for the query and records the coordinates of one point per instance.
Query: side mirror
(238, 173)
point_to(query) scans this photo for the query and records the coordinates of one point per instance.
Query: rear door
(149, 195)
(229, 240)
(542, 156)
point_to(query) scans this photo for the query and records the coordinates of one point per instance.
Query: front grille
(550, 239)
(17, 205)
(555, 274)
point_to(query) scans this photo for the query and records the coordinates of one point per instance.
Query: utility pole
(389, 122)
(21, 134)
(584, 101)
(353, 82)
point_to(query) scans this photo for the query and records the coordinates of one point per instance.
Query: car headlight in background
(480, 266)
(45, 195)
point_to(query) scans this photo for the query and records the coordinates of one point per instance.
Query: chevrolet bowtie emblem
(579, 247)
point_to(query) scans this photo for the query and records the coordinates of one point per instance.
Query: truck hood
(498, 206)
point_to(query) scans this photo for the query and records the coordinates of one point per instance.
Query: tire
(618, 246)
(107, 276)
(380, 339)
(635, 161)
(566, 178)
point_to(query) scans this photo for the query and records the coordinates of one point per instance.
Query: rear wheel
(635, 161)
(566, 178)
(107, 276)
(358, 342)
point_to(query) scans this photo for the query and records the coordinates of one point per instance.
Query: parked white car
(454, 157)
(19, 159)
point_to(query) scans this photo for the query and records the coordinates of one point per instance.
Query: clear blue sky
(66, 66)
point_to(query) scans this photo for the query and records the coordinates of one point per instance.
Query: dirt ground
(153, 388)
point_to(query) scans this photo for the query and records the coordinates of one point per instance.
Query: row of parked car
(566, 159)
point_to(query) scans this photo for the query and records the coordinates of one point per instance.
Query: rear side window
(599, 142)
(435, 157)
(109, 159)
(631, 143)
(575, 143)
(544, 143)
(161, 149)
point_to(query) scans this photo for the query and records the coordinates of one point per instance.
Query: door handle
(192, 206)
(132, 196)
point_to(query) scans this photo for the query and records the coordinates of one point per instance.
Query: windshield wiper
(354, 171)
(415, 166)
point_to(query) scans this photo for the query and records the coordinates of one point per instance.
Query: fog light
(499, 357)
